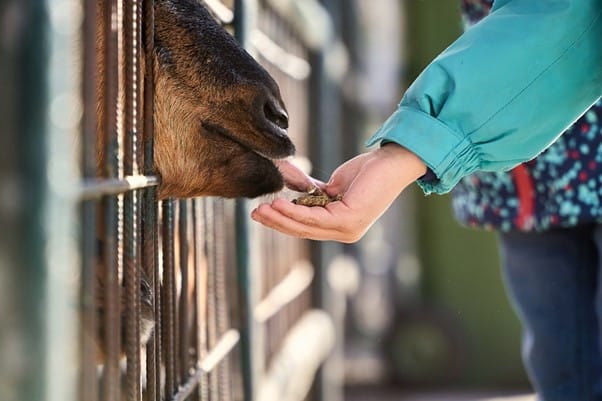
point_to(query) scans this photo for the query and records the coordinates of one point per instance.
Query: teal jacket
(478, 105)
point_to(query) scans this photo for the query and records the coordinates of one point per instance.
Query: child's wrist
(410, 163)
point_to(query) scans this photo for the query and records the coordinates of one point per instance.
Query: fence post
(249, 281)
(326, 147)
(40, 110)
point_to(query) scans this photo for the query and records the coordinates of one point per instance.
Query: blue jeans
(554, 282)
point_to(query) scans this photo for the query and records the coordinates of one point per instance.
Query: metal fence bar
(151, 269)
(183, 346)
(131, 261)
(176, 293)
(222, 321)
(88, 388)
(250, 372)
(95, 188)
(131, 309)
(89, 135)
(149, 261)
(201, 267)
(111, 292)
(150, 243)
(89, 320)
(326, 148)
(287, 290)
(212, 334)
(168, 296)
(193, 347)
(214, 358)
(250, 363)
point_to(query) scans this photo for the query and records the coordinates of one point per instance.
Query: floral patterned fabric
(475, 10)
(562, 187)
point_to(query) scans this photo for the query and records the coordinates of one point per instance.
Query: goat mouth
(276, 143)
(277, 130)
(293, 176)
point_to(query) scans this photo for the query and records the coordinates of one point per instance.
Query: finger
(335, 187)
(327, 227)
(336, 219)
(338, 184)
(320, 184)
(272, 218)
(344, 175)
(315, 216)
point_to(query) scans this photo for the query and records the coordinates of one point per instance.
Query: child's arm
(503, 91)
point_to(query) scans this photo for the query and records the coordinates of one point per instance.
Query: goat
(220, 122)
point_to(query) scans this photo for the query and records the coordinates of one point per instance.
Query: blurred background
(418, 303)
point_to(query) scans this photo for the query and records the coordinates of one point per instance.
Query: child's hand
(369, 183)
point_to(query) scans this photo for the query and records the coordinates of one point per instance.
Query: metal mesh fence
(168, 269)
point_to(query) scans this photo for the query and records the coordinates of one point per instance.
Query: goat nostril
(276, 114)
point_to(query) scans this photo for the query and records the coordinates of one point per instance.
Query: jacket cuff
(449, 154)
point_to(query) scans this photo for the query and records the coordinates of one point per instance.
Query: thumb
(336, 185)
(343, 176)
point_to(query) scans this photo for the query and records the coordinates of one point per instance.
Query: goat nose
(274, 112)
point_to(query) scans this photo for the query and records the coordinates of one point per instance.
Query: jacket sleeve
(503, 91)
